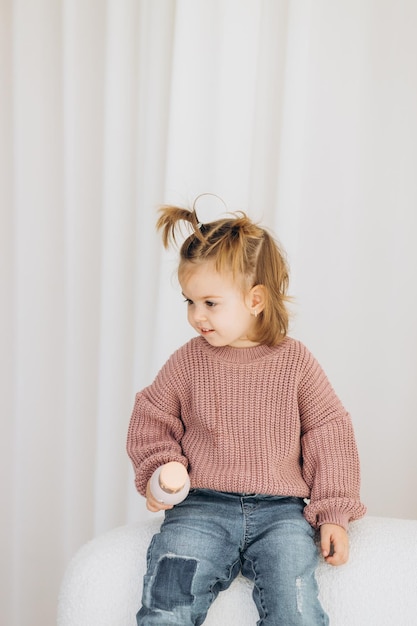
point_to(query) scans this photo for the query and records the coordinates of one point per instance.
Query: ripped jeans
(207, 539)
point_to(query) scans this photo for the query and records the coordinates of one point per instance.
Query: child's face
(217, 307)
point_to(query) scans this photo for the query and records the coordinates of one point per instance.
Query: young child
(269, 448)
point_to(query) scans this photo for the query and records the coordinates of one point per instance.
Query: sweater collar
(239, 355)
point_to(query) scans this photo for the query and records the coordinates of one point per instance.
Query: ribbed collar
(239, 355)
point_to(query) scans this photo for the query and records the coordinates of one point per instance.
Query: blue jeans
(207, 539)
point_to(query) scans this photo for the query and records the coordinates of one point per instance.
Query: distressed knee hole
(172, 583)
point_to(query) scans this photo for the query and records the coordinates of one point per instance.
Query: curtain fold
(302, 114)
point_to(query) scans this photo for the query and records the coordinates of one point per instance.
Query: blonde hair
(247, 250)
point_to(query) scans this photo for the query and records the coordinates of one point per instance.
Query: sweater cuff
(333, 517)
(338, 511)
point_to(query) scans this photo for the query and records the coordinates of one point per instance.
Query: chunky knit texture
(252, 420)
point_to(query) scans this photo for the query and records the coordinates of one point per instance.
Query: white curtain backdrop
(300, 112)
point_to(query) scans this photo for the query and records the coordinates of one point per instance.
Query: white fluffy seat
(378, 587)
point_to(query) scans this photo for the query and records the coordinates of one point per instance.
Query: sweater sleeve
(155, 428)
(330, 457)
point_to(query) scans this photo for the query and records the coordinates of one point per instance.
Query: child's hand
(152, 504)
(334, 543)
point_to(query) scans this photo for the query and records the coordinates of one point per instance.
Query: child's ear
(257, 298)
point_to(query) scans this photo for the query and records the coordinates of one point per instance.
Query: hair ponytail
(169, 223)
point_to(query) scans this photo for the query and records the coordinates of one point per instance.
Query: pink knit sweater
(253, 420)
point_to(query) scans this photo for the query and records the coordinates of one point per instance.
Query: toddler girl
(269, 448)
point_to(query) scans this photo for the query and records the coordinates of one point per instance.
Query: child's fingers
(327, 547)
(154, 506)
(338, 556)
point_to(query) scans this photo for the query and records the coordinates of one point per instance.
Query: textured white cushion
(378, 587)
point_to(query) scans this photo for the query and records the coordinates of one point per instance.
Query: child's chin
(214, 341)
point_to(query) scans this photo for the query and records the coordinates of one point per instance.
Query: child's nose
(199, 314)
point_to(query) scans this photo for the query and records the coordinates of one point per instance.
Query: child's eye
(209, 303)
(188, 301)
